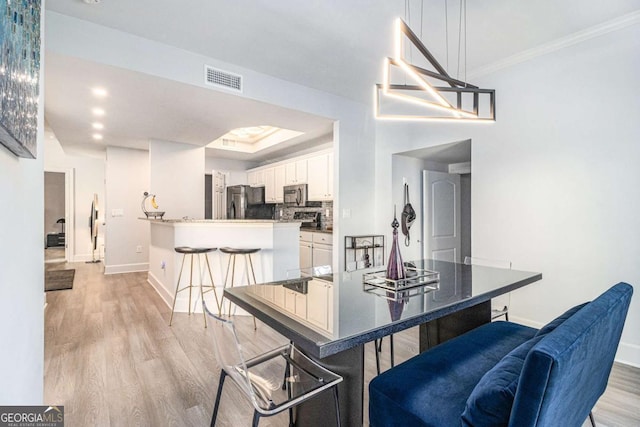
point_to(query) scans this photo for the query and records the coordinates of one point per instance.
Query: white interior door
(441, 216)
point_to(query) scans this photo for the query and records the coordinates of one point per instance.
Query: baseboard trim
(83, 258)
(126, 268)
(627, 354)
(157, 285)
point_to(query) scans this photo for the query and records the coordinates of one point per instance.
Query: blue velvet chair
(505, 374)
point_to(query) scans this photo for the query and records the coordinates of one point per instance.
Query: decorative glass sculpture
(395, 271)
(395, 266)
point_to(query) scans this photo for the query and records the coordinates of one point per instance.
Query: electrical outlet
(138, 249)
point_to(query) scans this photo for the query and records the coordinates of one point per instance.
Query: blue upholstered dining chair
(261, 378)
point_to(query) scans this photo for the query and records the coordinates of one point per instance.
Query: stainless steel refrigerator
(245, 202)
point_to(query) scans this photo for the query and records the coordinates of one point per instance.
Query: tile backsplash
(326, 221)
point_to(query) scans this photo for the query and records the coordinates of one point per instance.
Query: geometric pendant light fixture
(419, 88)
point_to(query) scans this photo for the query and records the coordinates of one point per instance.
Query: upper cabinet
(320, 177)
(256, 178)
(316, 170)
(270, 185)
(279, 172)
(295, 172)
(273, 184)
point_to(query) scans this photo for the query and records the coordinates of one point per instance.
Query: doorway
(439, 180)
(54, 217)
(58, 216)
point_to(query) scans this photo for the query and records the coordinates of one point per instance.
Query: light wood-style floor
(112, 360)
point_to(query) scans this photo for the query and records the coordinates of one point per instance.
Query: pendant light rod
(404, 28)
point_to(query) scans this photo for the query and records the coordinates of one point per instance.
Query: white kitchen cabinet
(278, 296)
(330, 308)
(306, 255)
(295, 303)
(318, 303)
(270, 185)
(255, 178)
(290, 300)
(267, 293)
(251, 178)
(322, 238)
(322, 254)
(258, 291)
(301, 305)
(279, 180)
(322, 249)
(306, 249)
(320, 177)
(316, 249)
(295, 172)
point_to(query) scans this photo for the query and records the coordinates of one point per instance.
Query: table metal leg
(450, 326)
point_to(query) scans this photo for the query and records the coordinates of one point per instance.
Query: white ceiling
(332, 45)
(142, 107)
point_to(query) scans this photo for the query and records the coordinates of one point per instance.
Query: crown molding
(575, 38)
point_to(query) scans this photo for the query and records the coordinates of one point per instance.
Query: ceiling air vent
(223, 79)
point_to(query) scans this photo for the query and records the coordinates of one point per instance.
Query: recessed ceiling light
(97, 125)
(97, 111)
(97, 136)
(99, 92)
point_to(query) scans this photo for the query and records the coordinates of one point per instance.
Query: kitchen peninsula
(278, 242)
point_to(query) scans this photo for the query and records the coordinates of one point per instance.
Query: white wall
(555, 179)
(88, 180)
(406, 169)
(177, 178)
(21, 269)
(127, 178)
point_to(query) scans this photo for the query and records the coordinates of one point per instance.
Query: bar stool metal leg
(255, 282)
(190, 286)
(233, 273)
(213, 287)
(253, 272)
(175, 296)
(204, 315)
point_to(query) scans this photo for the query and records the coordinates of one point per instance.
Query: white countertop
(218, 221)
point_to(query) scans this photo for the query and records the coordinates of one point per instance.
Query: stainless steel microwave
(295, 195)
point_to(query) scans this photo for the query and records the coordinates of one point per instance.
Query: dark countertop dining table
(460, 302)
